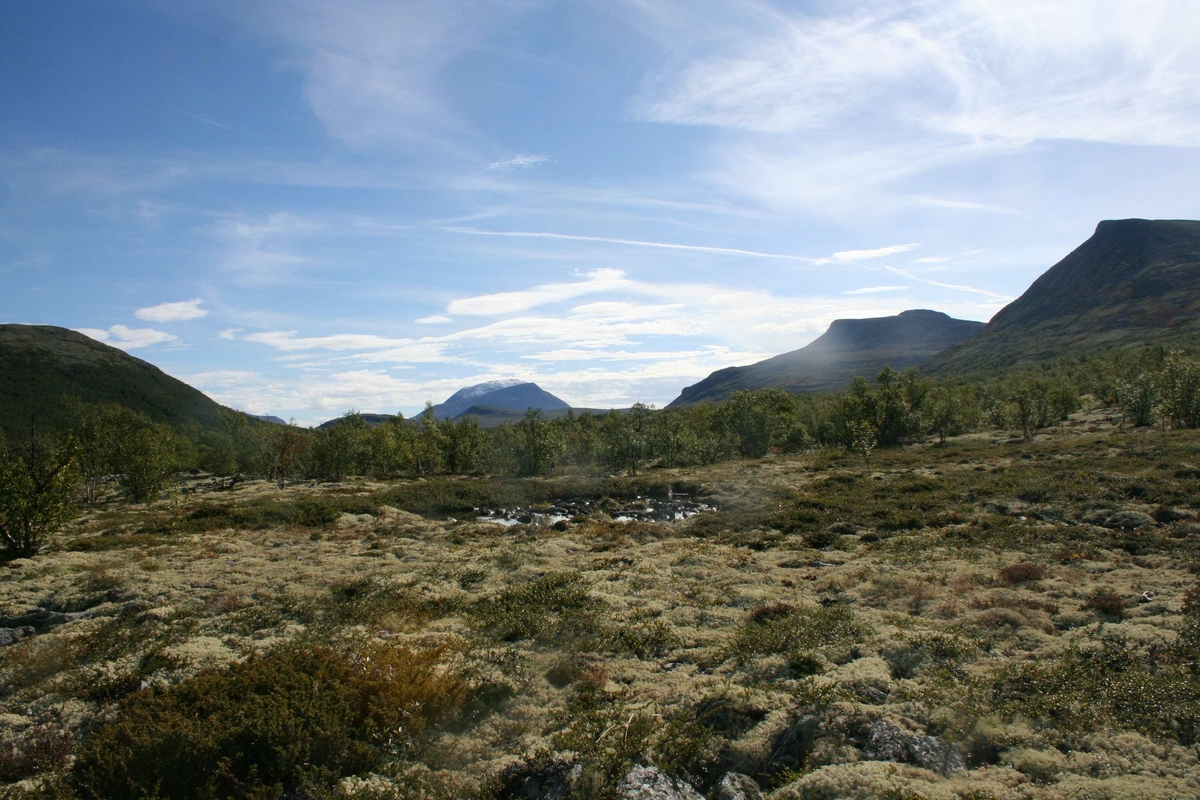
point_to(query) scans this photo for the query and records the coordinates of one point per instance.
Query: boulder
(647, 783)
(13, 635)
(791, 747)
(1129, 520)
(735, 786)
(41, 620)
(1165, 514)
(546, 779)
(889, 743)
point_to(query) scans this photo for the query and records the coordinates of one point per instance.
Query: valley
(1019, 610)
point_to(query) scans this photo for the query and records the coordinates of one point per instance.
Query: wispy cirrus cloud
(955, 286)
(257, 249)
(519, 161)
(876, 289)
(835, 108)
(602, 280)
(630, 242)
(372, 69)
(1093, 70)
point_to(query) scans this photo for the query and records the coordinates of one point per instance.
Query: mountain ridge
(1133, 282)
(506, 394)
(849, 347)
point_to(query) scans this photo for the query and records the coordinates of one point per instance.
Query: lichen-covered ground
(1023, 601)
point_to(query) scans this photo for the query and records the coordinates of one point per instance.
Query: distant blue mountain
(268, 418)
(511, 394)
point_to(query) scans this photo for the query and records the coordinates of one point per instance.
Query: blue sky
(304, 207)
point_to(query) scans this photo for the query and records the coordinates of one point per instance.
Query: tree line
(44, 476)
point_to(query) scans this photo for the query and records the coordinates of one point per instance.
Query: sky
(306, 207)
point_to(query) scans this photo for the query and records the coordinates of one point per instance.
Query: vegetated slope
(492, 417)
(850, 347)
(40, 365)
(1133, 282)
(372, 420)
(511, 394)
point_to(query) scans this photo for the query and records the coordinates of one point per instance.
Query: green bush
(608, 737)
(1096, 686)
(37, 496)
(285, 724)
(781, 628)
(555, 606)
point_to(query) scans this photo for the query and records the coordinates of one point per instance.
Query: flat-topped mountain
(850, 347)
(514, 395)
(1133, 282)
(42, 364)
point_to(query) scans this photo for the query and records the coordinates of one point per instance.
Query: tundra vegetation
(909, 589)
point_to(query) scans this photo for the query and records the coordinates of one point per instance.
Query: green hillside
(40, 365)
(1134, 282)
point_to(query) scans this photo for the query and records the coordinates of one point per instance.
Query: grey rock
(793, 745)
(890, 743)
(1129, 520)
(41, 620)
(13, 635)
(540, 780)
(647, 783)
(735, 786)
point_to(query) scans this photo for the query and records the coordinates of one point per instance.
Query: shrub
(37, 496)
(314, 511)
(785, 629)
(1179, 390)
(642, 638)
(147, 458)
(1097, 686)
(1138, 399)
(41, 748)
(609, 737)
(1024, 572)
(283, 724)
(553, 606)
(1106, 601)
(822, 540)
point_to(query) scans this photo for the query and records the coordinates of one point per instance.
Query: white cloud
(219, 378)
(519, 161)
(876, 289)
(849, 256)
(128, 338)
(437, 319)
(230, 333)
(290, 340)
(173, 312)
